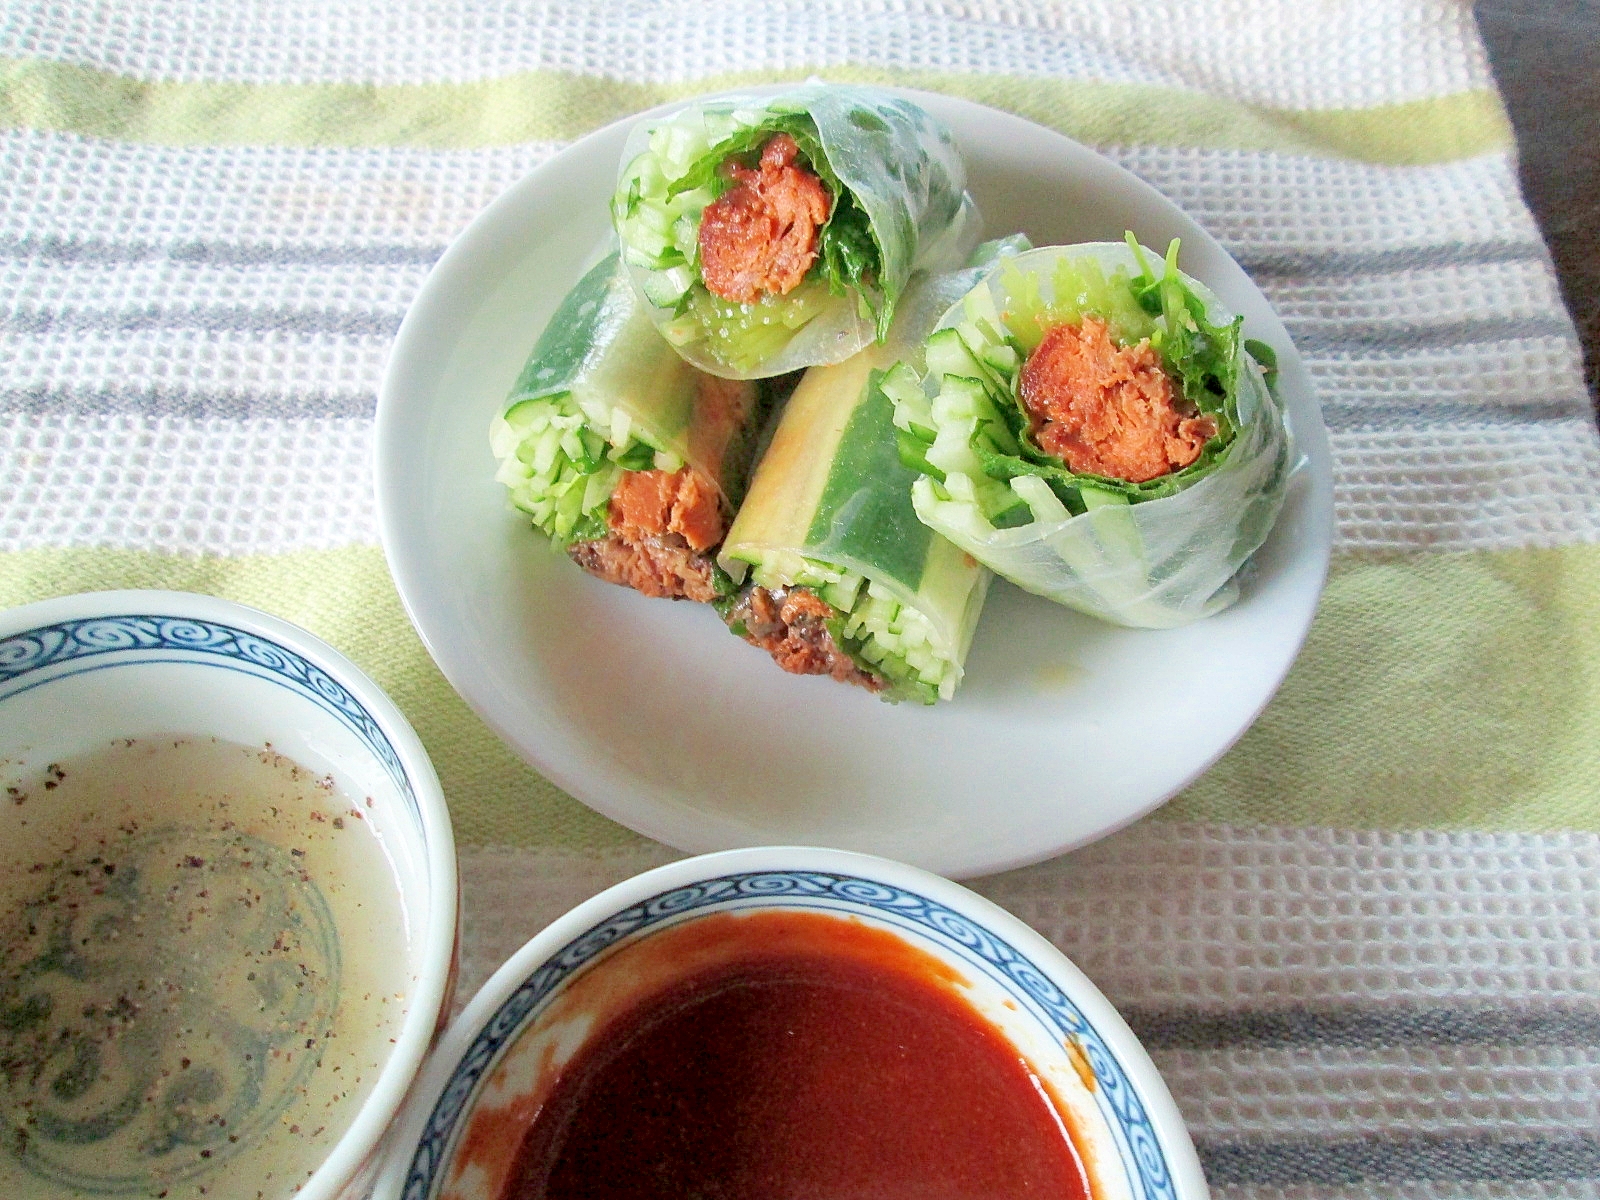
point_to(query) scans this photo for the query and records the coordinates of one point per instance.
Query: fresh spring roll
(1093, 428)
(774, 233)
(621, 452)
(843, 580)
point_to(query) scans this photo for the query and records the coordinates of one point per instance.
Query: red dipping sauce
(823, 1060)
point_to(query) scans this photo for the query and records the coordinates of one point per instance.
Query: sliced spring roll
(621, 452)
(769, 234)
(843, 580)
(1093, 428)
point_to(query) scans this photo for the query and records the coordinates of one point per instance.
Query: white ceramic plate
(652, 713)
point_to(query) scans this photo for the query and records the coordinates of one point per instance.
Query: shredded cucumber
(886, 638)
(559, 470)
(1080, 288)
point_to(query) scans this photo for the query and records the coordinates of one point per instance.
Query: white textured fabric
(213, 486)
(1321, 307)
(189, 355)
(111, 294)
(1404, 1189)
(1497, 370)
(129, 195)
(1326, 55)
(1493, 487)
(1218, 918)
(1257, 202)
(1317, 1091)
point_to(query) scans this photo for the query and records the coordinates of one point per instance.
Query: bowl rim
(359, 1144)
(1182, 1161)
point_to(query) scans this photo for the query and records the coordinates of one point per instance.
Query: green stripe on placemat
(1435, 691)
(560, 106)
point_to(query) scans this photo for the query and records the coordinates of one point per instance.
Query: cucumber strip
(830, 510)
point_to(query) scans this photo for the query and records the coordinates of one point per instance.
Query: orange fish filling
(661, 529)
(649, 504)
(760, 237)
(1111, 410)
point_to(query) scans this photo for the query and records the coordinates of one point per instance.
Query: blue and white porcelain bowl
(493, 1066)
(81, 673)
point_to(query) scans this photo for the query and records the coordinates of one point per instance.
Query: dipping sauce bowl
(789, 1022)
(228, 904)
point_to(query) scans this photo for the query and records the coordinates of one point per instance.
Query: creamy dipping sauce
(203, 964)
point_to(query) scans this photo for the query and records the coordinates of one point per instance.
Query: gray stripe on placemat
(1343, 416)
(99, 251)
(43, 399)
(1398, 336)
(1477, 1157)
(1366, 1028)
(185, 403)
(1403, 336)
(1270, 263)
(1305, 264)
(215, 318)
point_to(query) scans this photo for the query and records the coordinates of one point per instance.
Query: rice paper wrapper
(601, 350)
(1156, 563)
(900, 165)
(601, 394)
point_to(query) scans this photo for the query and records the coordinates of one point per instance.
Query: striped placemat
(1365, 948)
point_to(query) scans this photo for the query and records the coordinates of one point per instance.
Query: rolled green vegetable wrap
(1093, 428)
(620, 451)
(843, 579)
(769, 234)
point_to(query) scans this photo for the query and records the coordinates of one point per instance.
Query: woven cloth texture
(1364, 949)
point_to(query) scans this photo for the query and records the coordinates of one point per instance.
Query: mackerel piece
(829, 512)
(1154, 554)
(897, 190)
(601, 395)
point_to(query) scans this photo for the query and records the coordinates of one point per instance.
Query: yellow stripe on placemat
(1435, 691)
(560, 106)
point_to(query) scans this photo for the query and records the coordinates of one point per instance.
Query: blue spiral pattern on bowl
(1143, 1158)
(53, 646)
